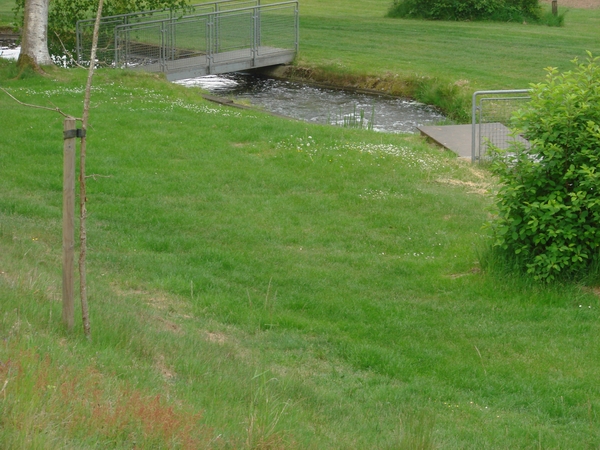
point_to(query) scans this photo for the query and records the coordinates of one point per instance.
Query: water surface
(320, 105)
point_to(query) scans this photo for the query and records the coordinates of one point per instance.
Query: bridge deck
(223, 62)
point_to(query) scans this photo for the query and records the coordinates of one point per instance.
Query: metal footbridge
(208, 38)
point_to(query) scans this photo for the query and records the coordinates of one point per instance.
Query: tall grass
(355, 119)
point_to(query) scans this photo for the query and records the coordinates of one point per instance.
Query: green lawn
(353, 36)
(6, 13)
(256, 282)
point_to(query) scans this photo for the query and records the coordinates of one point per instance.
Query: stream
(320, 105)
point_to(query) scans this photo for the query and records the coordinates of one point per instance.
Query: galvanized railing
(223, 39)
(491, 113)
(105, 52)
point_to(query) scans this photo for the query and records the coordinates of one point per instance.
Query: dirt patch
(473, 188)
(219, 338)
(583, 4)
(163, 368)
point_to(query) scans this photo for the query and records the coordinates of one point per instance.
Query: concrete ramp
(452, 137)
(459, 138)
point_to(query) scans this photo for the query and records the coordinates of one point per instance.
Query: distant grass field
(437, 62)
(257, 282)
(354, 36)
(6, 14)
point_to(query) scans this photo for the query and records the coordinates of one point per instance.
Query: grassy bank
(257, 282)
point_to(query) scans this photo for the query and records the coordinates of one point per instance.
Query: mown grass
(263, 283)
(354, 36)
(257, 282)
(6, 13)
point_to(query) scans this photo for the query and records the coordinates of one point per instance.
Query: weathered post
(68, 284)
(555, 7)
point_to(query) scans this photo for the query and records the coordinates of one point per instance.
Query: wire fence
(491, 114)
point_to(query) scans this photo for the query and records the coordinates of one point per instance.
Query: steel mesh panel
(189, 41)
(277, 27)
(139, 45)
(106, 38)
(233, 31)
(105, 51)
(494, 122)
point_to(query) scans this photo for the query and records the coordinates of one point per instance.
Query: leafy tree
(62, 16)
(548, 203)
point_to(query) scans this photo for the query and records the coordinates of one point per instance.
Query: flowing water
(321, 105)
(9, 52)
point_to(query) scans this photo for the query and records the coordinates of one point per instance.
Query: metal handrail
(147, 13)
(153, 11)
(214, 13)
(167, 47)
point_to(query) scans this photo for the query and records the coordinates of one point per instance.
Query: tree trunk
(34, 44)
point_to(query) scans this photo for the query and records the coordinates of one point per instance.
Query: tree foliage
(64, 14)
(501, 10)
(548, 205)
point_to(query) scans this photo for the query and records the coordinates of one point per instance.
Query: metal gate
(491, 113)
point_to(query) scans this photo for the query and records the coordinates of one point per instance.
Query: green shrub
(548, 203)
(500, 10)
(552, 20)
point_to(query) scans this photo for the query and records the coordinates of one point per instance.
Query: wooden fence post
(68, 286)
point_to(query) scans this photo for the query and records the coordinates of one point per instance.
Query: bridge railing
(106, 42)
(155, 39)
(216, 39)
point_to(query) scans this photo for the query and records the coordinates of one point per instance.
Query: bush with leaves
(499, 10)
(548, 202)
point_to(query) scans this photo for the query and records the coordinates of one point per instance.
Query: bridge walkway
(209, 38)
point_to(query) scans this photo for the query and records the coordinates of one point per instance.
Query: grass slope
(258, 282)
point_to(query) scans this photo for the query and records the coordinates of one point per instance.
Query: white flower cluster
(420, 254)
(79, 90)
(378, 194)
(156, 102)
(301, 144)
(409, 156)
